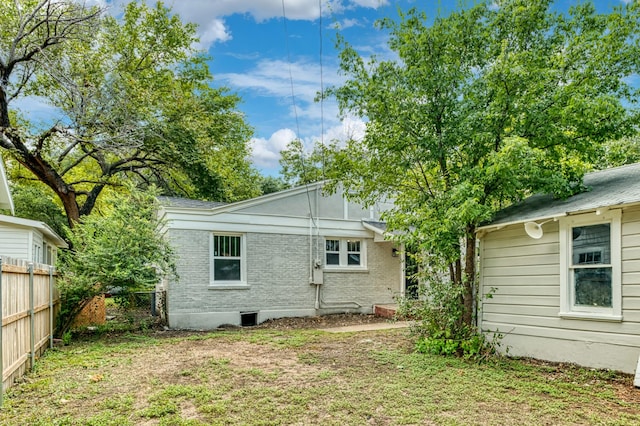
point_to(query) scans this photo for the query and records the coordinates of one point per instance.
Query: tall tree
(480, 109)
(131, 99)
(301, 167)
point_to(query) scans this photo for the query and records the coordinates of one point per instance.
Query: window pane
(226, 270)
(353, 246)
(592, 244)
(333, 245)
(593, 286)
(354, 258)
(226, 245)
(333, 258)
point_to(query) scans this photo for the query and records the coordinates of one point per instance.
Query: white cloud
(374, 4)
(347, 23)
(208, 14)
(37, 109)
(213, 32)
(266, 152)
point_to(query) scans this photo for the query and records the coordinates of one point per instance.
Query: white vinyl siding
(525, 305)
(14, 243)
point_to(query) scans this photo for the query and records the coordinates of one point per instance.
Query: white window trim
(344, 263)
(229, 285)
(567, 308)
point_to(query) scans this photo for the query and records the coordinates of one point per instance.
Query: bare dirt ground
(243, 355)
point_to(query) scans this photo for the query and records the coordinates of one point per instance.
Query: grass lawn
(301, 377)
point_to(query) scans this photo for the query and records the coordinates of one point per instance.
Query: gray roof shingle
(610, 187)
(188, 203)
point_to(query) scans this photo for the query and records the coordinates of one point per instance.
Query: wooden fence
(28, 298)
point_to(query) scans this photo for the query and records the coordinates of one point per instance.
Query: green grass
(269, 377)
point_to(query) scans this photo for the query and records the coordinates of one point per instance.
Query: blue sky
(258, 54)
(270, 61)
(259, 50)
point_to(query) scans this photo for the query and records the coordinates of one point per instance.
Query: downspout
(310, 247)
(403, 273)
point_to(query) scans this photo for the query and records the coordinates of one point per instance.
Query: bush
(120, 248)
(438, 327)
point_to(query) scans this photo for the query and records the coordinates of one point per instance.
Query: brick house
(296, 252)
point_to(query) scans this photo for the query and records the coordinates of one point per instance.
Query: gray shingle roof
(382, 226)
(187, 203)
(610, 187)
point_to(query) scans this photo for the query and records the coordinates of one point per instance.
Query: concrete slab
(368, 327)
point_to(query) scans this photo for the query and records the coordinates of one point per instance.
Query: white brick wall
(278, 281)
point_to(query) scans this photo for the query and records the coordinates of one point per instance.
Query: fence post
(1, 345)
(51, 307)
(32, 317)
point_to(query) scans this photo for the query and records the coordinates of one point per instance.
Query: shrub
(438, 325)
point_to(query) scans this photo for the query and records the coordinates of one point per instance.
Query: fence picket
(27, 303)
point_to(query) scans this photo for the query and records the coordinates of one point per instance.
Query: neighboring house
(29, 239)
(24, 238)
(567, 288)
(292, 253)
(6, 202)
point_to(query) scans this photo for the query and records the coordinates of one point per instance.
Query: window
(228, 261)
(344, 253)
(590, 266)
(333, 252)
(36, 256)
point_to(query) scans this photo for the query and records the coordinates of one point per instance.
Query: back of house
(297, 252)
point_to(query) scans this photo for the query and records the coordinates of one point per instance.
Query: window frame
(242, 282)
(568, 308)
(344, 254)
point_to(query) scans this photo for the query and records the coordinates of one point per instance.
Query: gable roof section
(6, 202)
(219, 207)
(605, 188)
(263, 199)
(188, 203)
(34, 224)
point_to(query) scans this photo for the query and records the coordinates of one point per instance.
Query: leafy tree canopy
(481, 108)
(118, 246)
(130, 100)
(299, 167)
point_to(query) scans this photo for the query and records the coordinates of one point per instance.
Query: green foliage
(620, 152)
(270, 184)
(131, 101)
(480, 109)
(33, 200)
(121, 248)
(438, 327)
(299, 167)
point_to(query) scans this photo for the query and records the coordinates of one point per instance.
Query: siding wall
(14, 242)
(525, 274)
(278, 281)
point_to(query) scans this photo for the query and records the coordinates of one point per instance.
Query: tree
(119, 247)
(620, 152)
(480, 109)
(131, 100)
(271, 184)
(299, 167)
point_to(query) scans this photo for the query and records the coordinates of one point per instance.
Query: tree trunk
(46, 174)
(469, 275)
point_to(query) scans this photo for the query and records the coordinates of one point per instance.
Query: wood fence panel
(22, 327)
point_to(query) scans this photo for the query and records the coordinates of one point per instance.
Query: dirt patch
(325, 321)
